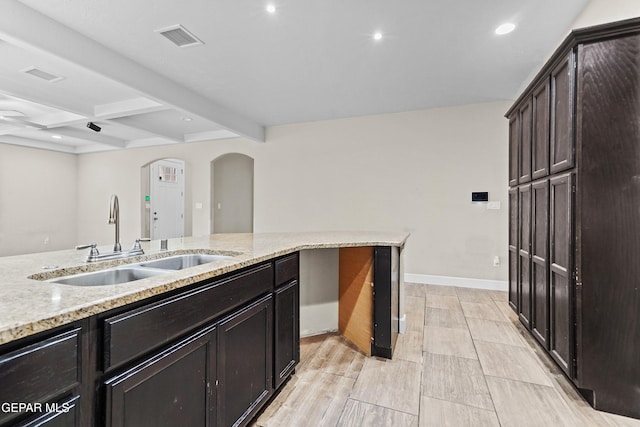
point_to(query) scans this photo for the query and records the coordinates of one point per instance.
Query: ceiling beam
(28, 28)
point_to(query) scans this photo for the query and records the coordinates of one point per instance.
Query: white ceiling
(310, 60)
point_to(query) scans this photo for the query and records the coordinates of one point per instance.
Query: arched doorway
(232, 194)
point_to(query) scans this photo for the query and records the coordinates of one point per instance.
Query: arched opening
(232, 194)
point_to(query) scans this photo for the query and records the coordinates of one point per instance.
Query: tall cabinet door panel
(514, 148)
(539, 255)
(540, 129)
(245, 363)
(561, 340)
(524, 252)
(609, 219)
(562, 92)
(513, 248)
(286, 331)
(526, 120)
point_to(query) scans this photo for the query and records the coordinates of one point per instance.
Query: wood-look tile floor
(465, 360)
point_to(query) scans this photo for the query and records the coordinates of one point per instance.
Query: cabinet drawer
(40, 371)
(63, 413)
(136, 332)
(286, 269)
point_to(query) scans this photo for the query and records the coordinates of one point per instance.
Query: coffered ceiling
(105, 62)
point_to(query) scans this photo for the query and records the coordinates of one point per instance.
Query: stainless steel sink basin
(183, 261)
(112, 276)
(142, 270)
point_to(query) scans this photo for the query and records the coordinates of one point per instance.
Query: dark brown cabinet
(245, 363)
(177, 387)
(40, 374)
(561, 342)
(64, 413)
(286, 331)
(524, 253)
(539, 265)
(514, 147)
(526, 122)
(540, 129)
(583, 200)
(513, 248)
(608, 220)
(562, 92)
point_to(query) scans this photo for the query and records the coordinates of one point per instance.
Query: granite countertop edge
(31, 306)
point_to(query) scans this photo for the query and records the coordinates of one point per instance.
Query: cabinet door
(173, 388)
(540, 129)
(286, 331)
(513, 248)
(524, 253)
(539, 251)
(526, 121)
(245, 363)
(514, 144)
(562, 92)
(561, 339)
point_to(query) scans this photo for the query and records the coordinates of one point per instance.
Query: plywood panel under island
(355, 312)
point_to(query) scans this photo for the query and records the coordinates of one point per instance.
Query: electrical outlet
(46, 240)
(496, 261)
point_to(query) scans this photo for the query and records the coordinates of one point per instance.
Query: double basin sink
(141, 270)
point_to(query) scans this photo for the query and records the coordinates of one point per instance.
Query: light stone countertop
(29, 306)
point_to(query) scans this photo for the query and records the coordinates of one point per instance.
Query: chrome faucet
(114, 218)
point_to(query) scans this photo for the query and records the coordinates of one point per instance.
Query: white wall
(37, 200)
(411, 171)
(603, 11)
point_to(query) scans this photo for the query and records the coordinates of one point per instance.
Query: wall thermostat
(480, 196)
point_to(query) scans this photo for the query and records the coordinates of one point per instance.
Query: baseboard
(463, 282)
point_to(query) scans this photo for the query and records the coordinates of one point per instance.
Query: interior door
(167, 199)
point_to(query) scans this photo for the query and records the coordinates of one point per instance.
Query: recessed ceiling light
(377, 35)
(271, 8)
(505, 28)
(186, 119)
(56, 137)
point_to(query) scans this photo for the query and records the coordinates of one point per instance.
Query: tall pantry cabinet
(574, 212)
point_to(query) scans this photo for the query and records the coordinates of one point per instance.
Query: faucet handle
(92, 246)
(136, 245)
(94, 249)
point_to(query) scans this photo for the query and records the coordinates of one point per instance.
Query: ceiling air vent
(179, 36)
(36, 72)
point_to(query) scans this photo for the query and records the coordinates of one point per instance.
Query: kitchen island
(212, 331)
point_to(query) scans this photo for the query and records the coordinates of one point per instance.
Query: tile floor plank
(445, 318)
(358, 414)
(521, 404)
(448, 341)
(455, 379)
(449, 302)
(508, 361)
(440, 413)
(379, 376)
(494, 331)
(478, 310)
